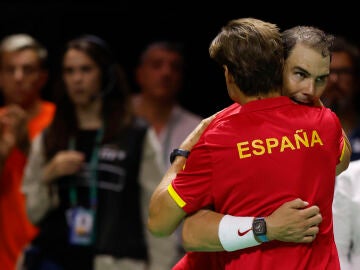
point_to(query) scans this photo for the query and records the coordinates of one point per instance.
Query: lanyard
(93, 171)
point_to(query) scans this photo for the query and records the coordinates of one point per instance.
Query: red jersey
(253, 158)
(15, 229)
(197, 261)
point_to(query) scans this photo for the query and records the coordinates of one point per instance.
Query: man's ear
(228, 76)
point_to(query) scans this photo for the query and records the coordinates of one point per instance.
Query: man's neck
(243, 99)
(155, 112)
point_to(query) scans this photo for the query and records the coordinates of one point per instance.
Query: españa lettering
(259, 147)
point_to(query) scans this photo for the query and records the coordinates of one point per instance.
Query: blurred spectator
(342, 93)
(82, 178)
(346, 207)
(160, 77)
(23, 75)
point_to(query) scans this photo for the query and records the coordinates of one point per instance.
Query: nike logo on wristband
(243, 233)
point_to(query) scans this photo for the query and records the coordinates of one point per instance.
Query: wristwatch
(259, 229)
(178, 152)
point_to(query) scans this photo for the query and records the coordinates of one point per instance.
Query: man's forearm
(203, 232)
(291, 222)
(200, 231)
(164, 214)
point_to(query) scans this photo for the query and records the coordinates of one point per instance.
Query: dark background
(129, 25)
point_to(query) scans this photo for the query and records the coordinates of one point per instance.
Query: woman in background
(81, 181)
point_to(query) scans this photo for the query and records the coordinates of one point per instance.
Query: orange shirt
(15, 229)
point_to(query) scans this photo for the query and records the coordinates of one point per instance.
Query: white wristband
(236, 233)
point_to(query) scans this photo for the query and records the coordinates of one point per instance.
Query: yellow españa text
(260, 147)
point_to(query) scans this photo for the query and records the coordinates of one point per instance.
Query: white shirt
(164, 252)
(346, 214)
(179, 126)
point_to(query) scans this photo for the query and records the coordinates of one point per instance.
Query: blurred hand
(64, 163)
(13, 129)
(7, 140)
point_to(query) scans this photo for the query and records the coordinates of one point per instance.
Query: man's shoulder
(322, 111)
(230, 110)
(227, 112)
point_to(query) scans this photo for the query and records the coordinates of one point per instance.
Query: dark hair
(116, 109)
(308, 35)
(252, 51)
(171, 46)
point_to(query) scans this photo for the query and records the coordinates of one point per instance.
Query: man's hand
(7, 141)
(13, 130)
(293, 222)
(8, 134)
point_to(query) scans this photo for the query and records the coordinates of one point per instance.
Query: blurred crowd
(78, 168)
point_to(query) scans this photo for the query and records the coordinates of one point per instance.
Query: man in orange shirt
(23, 74)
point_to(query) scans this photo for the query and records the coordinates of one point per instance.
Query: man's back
(252, 159)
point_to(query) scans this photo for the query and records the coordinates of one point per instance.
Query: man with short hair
(23, 74)
(164, 214)
(160, 78)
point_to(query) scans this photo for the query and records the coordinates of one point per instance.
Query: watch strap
(178, 152)
(260, 235)
(263, 238)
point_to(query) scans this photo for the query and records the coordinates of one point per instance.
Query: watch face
(259, 227)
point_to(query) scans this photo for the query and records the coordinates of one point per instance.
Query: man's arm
(291, 222)
(13, 132)
(345, 157)
(164, 214)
